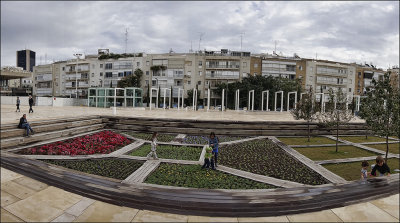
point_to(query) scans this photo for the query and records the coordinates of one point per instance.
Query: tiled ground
(25, 199)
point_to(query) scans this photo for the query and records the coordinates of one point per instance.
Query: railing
(222, 66)
(214, 76)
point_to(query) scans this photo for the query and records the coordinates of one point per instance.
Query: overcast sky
(341, 31)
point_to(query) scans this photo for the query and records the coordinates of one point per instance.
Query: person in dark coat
(18, 103)
(30, 104)
(24, 124)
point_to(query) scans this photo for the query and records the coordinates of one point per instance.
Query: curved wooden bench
(204, 202)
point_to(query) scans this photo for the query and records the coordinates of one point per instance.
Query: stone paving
(26, 200)
(8, 114)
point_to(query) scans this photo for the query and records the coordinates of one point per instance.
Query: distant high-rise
(26, 59)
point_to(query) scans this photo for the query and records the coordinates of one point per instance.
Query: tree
(131, 80)
(305, 109)
(381, 109)
(336, 112)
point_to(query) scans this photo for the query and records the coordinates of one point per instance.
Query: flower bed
(193, 176)
(99, 143)
(113, 168)
(203, 140)
(170, 152)
(265, 158)
(147, 136)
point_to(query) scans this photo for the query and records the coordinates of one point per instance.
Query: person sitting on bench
(24, 124)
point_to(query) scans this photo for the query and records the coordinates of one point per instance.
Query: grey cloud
(335, 30)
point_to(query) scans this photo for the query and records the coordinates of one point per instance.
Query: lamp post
(76, 72)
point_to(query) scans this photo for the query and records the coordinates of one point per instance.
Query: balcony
(331, 82)
(216, 76)
(236, 67)
(44, 91)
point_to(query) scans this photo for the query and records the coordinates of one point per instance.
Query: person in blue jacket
(213, 143)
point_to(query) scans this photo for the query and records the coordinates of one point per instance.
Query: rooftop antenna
(191, 47)
(241, 38)
(200, 35)
(126, 39)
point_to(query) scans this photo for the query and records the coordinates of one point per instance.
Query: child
(153, 147)
(208, 159)
(381, 166)
(364, 171)
(213, 143)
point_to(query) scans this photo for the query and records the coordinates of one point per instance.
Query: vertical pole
(275, 99)
(252, 102)
(262, 101)
(248, 101)
(208, 99)
(170, 98)
(222, 101)
(115, 97)
(288, 101)
(323, 102)
(179, 94)
(151, 96)
(267, 101)
(165, 92)
(193, 96)
(183, 97)
(358, 102)
(158, 89)
(295, 100)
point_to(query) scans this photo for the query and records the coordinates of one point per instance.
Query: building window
(147, 72)
(255, 65)
(109, 74)
(200, 73)
(349, 89)
(101, 65)
(200, 64)
(92, 74)
(147, 63)
(147, 82)
(244, 64)
(189, 82)
(300, 67)
(63, 68)
(108, 66)
(120, 74)
(153, 83)
(199, 83)
(359, 74)
(137, 64)
(290, 67)
(101, 74)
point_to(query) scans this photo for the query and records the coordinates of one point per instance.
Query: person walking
(153, 147)
(18, 103)
(24, 124)
(30, 104)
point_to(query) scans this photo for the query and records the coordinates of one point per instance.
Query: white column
(208, 99)
(115, 97)
(179, 94)
(358, 102)
(295, 99)
(165, 92)
(237, 100)
(223, 99)
(194, 99)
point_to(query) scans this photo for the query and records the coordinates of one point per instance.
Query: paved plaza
(8, 114)
(26, 199)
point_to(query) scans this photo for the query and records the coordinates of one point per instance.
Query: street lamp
(76, 72)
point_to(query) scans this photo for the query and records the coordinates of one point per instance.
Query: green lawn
(393, 147)
(304, 140)
(361, 139)
(193, 176)
(328, 153)
(352, 171)
(170, 152)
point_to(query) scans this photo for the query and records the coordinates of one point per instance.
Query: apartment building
(322, 75)
(365, 73)
(200, 70)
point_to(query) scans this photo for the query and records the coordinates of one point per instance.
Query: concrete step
(9, 133)
(20, 141)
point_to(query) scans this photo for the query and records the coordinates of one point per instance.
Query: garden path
(140, 174)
